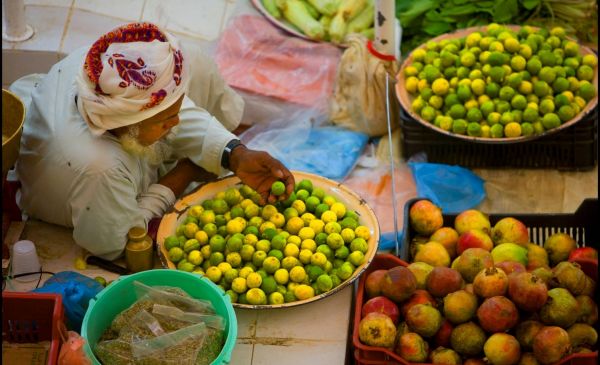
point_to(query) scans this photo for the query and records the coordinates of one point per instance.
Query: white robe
(71, 178)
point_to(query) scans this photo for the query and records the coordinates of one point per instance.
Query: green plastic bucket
(120, 295)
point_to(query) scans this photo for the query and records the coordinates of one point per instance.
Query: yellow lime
(303, 292)
(276, 298)
(363, 232)
(256, 296)
(253, 280)
(440, 86)
(214, 274)
(297, 274)
(281, 276)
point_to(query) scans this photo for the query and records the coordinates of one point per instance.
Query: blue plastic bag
(387, 242)
(301, 142)
(76, 291)
(452, 188)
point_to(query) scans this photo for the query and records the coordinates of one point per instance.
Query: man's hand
(259, 170)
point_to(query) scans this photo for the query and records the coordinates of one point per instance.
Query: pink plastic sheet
(256, 57)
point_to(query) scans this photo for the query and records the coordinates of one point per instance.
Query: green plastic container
(120, 295)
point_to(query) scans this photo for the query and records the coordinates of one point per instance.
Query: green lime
(541, 88)
(463, 92)
(492, 89)
(474, 115)
(546, 106)
(566, 113)
(497, 131)
(530, 115)
(497, 74)
(269, 285)
(526, 129)
(534, 65)
(547, 57)
(502, 106)
(428, 113)
(587, 91)
(277, 188)
(550, 121)
(457, 111)
(170, 242)
(507, 117)
(585, 72)
(560, 100)
(518, 102)
(175, 254)
(459, 126)
(473, 130)
(514, 80)
(506, 93)
(324, 283)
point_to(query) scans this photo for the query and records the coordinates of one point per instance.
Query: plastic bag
(303, 142)
(359, 96)
(175, 314)
(164, 297)
(452, 188)
(255, 56)
(76, 291)
(71, 350)
(178, 347)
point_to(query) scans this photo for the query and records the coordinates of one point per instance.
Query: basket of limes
(279, 255)
(499, 83)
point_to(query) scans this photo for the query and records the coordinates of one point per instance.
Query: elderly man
(106, 125)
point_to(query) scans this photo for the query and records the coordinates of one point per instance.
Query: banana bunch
(326, 20)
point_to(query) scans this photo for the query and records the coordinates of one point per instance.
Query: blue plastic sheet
(76, 291)
(452, 188)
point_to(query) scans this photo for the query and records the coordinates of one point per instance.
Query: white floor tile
(16, 64)
(246, 322)
(325, 319)
(130, 10)
(48, 24)
(235, 8)
(301, 352)
(85, 28)
(242, 354)
(196, 18)
(62, 3)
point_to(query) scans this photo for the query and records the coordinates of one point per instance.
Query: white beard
(155, 153)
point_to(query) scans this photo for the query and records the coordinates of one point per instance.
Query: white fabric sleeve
(104, 208)
(200, 137)
(209, 90)
(155, 201)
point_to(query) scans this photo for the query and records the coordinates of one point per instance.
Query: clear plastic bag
(169, 313)
(159, 296)
(304, 141)
(179, 347)
(164, 326)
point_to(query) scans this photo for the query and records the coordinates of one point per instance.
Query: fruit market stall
(503, 116)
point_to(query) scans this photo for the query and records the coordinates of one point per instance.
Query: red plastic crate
(371, 355)
(31, 318)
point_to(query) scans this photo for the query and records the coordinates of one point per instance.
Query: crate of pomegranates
(472, 288)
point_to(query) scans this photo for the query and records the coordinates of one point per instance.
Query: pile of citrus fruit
(501, 83)
(273, 254)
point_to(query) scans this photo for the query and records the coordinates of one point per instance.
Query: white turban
(129, 75)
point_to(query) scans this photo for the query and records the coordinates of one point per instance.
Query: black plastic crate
(575, 148)
(581, 225)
